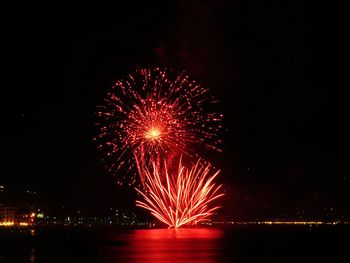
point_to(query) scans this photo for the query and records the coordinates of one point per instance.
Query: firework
(152, 115)
(182, 198)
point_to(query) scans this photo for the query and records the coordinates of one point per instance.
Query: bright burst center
(153, 133)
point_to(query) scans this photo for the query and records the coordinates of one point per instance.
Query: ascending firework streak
(152, 115)
(180, 199)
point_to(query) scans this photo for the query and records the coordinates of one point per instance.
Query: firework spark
(152, 115)
(182, 198)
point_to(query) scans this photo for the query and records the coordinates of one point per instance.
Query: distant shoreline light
(12, 223)
(281, 223)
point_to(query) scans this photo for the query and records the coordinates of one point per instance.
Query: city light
(40, 215)
(7, 223)
(13, 224)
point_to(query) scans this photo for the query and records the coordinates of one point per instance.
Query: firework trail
(152, 115)
(182, 198)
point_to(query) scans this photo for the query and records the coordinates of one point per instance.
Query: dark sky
(273, 65)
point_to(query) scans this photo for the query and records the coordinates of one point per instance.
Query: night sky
(273, 65)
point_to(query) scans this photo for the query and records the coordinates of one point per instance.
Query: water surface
(234, 244)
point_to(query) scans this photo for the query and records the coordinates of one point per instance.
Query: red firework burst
(183, 198)
(152, 115)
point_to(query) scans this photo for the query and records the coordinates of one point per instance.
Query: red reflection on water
(169, 245)
(182, 233)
